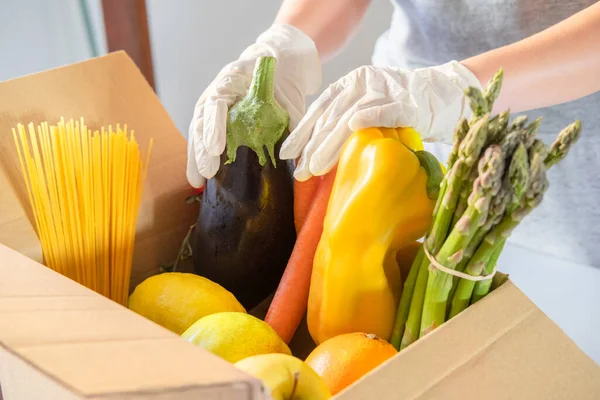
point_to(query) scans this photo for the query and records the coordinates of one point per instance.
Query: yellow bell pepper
(382, 200)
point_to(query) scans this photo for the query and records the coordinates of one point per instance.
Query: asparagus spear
(496, 134)
(481, 103)
(480, 291)
(497, 209)
(492, 90)
(517, 178)
(486, 186)
(498, 126)
(519, 175)
(529, 134)
(518, 123)
(558, 150)
(409, 310)
(538, 147)
(411, 302)
(405, 300)
(532, 197)
(519, 135)
(463, 197)
(459, 134)
(478, 103)
(469, 151)
(495, 214)
(415, 308)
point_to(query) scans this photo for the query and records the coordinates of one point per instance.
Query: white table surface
(568, 293)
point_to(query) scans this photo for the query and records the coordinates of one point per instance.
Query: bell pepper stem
(434, 173)
(413, 320)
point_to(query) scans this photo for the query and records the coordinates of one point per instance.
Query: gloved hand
(297, 75)
(430, 100)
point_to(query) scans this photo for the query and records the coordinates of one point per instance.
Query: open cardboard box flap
(105, 91)
(59, 340)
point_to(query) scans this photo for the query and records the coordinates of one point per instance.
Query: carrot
(304, 194)
(291, 298)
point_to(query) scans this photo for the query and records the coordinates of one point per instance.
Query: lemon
(175, 300)
(285, 377)
(235, 336)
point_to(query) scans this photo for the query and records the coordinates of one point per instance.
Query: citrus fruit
(176, 300)
(235, 336)
(343, 359)
(285, 377)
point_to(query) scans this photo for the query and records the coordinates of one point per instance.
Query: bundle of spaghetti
(85, 190)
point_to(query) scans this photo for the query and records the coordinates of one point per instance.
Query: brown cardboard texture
(104, 91)
(60, 340)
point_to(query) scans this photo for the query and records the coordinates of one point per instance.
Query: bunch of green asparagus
(496, 176)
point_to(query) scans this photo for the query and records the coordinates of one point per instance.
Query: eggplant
(244, 233)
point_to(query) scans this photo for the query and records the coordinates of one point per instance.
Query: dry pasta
(85, 190)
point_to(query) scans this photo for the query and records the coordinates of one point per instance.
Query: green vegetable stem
(257, 121)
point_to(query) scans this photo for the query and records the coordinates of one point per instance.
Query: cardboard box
(60, 340)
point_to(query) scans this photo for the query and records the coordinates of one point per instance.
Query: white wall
(191, 41)
(39, 34)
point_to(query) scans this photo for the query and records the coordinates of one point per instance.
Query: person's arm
(329, 23)
(557, 65)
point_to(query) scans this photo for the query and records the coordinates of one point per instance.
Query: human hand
(430, 100)
(297, 75)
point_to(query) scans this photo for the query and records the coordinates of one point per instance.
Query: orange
(343, 359)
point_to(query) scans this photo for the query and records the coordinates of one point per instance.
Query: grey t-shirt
(431, 32)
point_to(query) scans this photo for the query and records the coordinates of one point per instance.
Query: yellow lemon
(235, 336)
(175, 300)
(285, 377)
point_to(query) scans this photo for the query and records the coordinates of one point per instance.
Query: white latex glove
(430, 100)
(297, 75)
